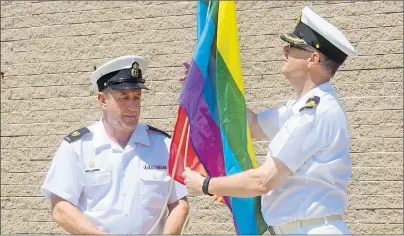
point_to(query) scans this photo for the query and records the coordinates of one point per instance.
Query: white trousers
(334, 227)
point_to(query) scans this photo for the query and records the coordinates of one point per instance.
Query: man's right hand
(70, 218)
(186, 67)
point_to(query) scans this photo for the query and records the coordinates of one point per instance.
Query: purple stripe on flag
(205, 134)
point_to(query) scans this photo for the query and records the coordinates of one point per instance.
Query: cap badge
(135, 70)
(75, 133)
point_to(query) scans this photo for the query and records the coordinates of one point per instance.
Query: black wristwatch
(205, 186)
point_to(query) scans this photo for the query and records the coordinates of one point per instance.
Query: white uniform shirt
(121, 191)
(314, 145)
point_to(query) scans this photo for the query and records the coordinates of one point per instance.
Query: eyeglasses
(289, 46)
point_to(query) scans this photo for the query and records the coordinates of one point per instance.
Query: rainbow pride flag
(213, 102)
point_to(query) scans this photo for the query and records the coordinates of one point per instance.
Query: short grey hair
(330, 65)
(107, 90)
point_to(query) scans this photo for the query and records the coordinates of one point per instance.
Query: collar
(140, 135)
(101, 137)
(319, 90)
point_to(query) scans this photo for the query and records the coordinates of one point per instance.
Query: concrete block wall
(49, 49)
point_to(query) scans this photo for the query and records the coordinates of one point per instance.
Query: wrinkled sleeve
(272, 120)
(179, 191)
(298, 140)
(65, 175)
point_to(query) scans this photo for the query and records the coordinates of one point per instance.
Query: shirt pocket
(96, 187)
(154, 188)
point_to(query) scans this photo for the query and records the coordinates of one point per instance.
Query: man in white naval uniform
(111, 177)
(304, 179)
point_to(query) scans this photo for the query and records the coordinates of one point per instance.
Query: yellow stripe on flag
(250, 148)
(228, 47)
(227, 41)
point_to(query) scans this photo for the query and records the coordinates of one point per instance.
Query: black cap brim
(127, 85)
(292, 39)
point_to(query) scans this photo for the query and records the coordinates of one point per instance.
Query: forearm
(253, 182)
(72, 220)
(245, 184)
(176, 218)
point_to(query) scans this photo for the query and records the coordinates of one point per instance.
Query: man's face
(123, 108)
(295, 67)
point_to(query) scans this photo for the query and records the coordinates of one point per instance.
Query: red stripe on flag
(191, 158)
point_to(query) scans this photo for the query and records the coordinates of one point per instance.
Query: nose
(131, 105)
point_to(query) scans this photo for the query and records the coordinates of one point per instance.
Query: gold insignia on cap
(75, 133)
(297, 40)
(91, 164)
(298, 19)
(317, 45)
(135, 70)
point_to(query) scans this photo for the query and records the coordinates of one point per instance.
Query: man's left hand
(193, 181)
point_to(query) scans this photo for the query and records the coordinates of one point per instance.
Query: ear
(102, 100)
(314, 60)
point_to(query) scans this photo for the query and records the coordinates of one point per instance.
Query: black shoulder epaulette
(311, 103)
(160, 131)
(76, 135)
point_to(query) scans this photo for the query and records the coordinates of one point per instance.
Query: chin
(286, 75)
(285, 72)
(129, 125)
(283, 69)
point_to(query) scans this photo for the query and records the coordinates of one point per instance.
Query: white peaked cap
(312, 29)
(119, 73)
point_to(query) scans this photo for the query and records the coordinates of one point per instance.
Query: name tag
(147, 167)
(93, 170)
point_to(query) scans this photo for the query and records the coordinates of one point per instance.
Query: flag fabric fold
(213, 102)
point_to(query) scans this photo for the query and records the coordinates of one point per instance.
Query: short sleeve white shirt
(120, 190)
(314, 145)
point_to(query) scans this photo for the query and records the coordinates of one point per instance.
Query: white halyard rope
(171, 180)
(185, 166)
